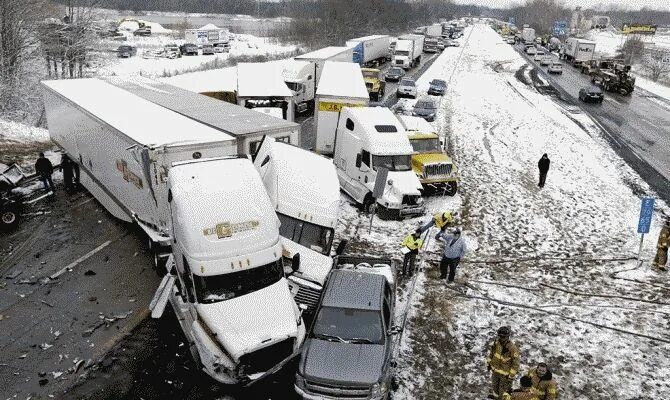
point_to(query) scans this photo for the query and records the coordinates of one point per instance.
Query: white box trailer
(434, 30)
(342, 85)
(332, 53)
(578, 51)
(246, 126)
(370, 50)
(528, 35)
(125, 146)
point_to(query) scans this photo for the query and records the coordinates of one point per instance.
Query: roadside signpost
(377, 191)
(643, 225)
(560, 28)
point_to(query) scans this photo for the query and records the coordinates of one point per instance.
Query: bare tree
(657, 64)
(632, 49)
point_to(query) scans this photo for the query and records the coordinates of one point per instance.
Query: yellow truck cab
(431, 164)
(374, 83)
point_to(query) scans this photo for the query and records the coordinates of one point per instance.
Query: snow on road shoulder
(550, 262)
(653, 87)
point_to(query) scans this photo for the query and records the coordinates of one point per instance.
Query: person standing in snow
(454, 249)
(441, 220)
(45, 169)
(543, 166)
(543, 382)
(661, 258)
(68, 175)
(412, 243)
(525, 392)
(503, 362)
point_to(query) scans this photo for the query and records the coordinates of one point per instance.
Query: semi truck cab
(299, 77)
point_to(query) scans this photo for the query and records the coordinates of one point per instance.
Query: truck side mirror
(341, 247)
(359, 159)
(295, 262)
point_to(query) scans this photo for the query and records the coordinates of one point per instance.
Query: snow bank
(653, 87)
(17, 132)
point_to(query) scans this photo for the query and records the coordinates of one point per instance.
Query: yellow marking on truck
(226, 229)
(336, 107)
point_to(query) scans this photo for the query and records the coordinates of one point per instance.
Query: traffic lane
(624, 121)
(103, 286)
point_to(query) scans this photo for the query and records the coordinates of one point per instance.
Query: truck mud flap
(276, 368)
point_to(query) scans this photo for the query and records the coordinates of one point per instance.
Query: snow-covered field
(608, 43)
(556, 264)
(653, 87)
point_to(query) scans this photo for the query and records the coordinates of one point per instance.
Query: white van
(368, 138)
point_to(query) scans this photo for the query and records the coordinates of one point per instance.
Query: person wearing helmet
(441, 220)
(661, 258)
(525, 392)
(503, 362)
(543, 382)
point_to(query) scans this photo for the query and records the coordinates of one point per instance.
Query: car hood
(430, 158)
(424, 111)
(257, 319)
(335, 362)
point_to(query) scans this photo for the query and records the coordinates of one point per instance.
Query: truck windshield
(425, 145)
(370, 74)
(350, 325)
(315, 237)
(294, 86)
(392, 163)
(402, 53)
(212, 289)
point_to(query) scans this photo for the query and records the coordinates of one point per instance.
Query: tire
(368, 201)
(387, 215)
(158, 262)
(9, 218)
(451, 189)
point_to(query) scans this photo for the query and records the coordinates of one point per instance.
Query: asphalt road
(637, 126)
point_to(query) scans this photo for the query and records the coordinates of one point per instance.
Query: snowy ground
(553, 263)
(656, 88)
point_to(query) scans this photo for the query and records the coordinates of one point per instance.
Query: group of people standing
(45, 169)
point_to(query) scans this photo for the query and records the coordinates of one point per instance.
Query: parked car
(406, 88)
(539, 54)
(546, 60)
(511, 41)
(425, 108)
(349, 351)
(207, 49)
(189, 49)
(441, 45)
(126, 51)
(531, 50)
(437, 87)
(394, 74)
(454, 43)
(591, 94)
(221, 47)
(171, 51)
(555, 68)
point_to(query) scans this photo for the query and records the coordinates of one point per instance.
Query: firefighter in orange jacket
(503, 362)
(525, 392)
(543, 382)
(662, 247)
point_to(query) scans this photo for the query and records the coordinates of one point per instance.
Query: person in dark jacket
(66, 165)
(543, 165)
(45, 169)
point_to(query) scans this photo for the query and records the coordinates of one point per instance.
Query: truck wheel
(451, 188)
(158, 261)
(9, 218)
(386, 214)
(368, 201)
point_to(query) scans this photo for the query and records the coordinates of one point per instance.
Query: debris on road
(89, 273)
(106, 321)
(46, 303)
(13, 274)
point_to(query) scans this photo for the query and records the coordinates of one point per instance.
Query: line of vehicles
(243, 279)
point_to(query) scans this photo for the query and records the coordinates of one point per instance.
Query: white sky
(628, 4)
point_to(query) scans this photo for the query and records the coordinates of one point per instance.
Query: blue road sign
(511, 20)
(646, 212)
(560, 28)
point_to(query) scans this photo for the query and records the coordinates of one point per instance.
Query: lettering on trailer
(585, 49)
(336, 107)
(128, 175)
(226, 229)
(646, 212)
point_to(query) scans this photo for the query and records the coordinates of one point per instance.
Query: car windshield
(294, 86)
(392, 163)
(425, 145)
(212, 289)
(437, 82)
(406, 82)
(395, 71)
(424, 104)
(312, 236)
(349, 325)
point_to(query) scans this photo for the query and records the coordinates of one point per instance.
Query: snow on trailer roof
(225, 117)
(382, 143)
(342, 79)
(366, 38)
(137, 118)
(215, 80)
(323, 54)
(261, 80)
(416, 124)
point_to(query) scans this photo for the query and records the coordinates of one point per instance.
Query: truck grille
(342, 392)
(437, 170)
(398, 62)
(411, 200)
(308, 296)
(266, 358)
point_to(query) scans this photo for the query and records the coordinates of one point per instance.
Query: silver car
(406, 88)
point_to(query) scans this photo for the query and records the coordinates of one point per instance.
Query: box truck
(170, 175)
(528, 35)
(578, 51)
(246, 126)
(408, 51)
(370, 51)
(342, 85)
(434, 30)
(370, 141)
(305, 193)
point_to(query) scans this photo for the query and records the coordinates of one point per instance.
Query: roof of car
(354, 289)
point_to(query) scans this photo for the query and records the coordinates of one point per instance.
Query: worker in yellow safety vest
(411, 245)
(661, 258)
(503, 362)
(543, 382)
(525, 392)
(441, 220)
